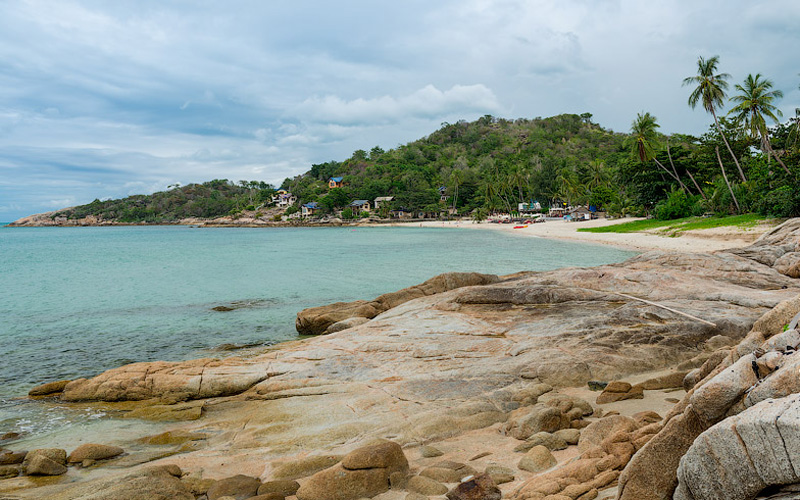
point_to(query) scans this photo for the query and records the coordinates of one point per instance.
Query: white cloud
(426, 103)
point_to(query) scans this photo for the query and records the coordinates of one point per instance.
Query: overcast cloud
(105, 99)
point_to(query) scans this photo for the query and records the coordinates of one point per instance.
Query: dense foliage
(207, 200)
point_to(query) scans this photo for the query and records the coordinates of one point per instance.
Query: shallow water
(77, 301)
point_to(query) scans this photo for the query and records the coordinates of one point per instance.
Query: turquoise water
(77, 301)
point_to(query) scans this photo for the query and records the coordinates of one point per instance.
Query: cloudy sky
(105, 99)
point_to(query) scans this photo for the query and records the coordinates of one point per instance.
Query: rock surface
(736, 383)
(318, 320)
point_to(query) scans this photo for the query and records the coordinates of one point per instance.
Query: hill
(493, 164)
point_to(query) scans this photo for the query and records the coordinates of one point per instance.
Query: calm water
(77, 301)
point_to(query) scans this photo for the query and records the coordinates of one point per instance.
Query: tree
(710, 91)
(644, 140)
(755, 100)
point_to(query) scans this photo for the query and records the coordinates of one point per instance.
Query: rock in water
(93, 452)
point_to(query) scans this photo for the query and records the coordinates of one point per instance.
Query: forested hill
(492, 164)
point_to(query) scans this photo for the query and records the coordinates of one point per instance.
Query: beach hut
(310, 209)
(401, 213)
(359, 206)
(335, 182)
(382, 199)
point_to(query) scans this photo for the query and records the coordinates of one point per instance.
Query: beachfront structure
(401, 213)
(382, 199)
(284, 198)
(442, 191)
(533, 206)
(310, 209)
(335, 182)
(359, 206)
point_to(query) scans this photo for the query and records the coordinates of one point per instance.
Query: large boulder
(742, 455)
(317, 320)
(364, 472)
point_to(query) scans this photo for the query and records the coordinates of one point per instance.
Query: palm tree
(711, 91)
(644, 140)
(456, 178)
(755, 100)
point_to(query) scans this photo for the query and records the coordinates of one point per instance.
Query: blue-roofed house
(310, 209)
(335, 182)
(360, 206)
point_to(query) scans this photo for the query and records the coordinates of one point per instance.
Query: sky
(104, 99)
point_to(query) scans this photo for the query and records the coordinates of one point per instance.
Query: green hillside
(492, 164)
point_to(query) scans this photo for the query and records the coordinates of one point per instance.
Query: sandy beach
(707, 240)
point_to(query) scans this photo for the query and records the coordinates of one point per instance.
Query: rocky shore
(671, 375)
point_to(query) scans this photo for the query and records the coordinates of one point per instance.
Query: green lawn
(677, 226)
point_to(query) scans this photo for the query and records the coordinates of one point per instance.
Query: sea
(77, 301)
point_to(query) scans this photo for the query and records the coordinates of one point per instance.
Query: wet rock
(7, 471)
(239, 487)
(91, 451)
(41, 465)
(8, 457)
(49, 389)
(51, 456)
(481, 487)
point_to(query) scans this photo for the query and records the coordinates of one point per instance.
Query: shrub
(781, 202)
(678, 205)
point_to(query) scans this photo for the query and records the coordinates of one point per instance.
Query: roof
(384, 198)
(358, 203)
(313, 204)
(337, 179)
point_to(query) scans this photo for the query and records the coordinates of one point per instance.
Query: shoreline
(707, 240)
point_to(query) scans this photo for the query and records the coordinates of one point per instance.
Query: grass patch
(677, 226)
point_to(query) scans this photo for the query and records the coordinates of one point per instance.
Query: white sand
(707, 240)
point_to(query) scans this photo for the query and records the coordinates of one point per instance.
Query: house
(442, 191)
(401, 213)
(335, 182)
(359, 206)
(382, 199)
(283, 198)
(310, 209)
(581, 213)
